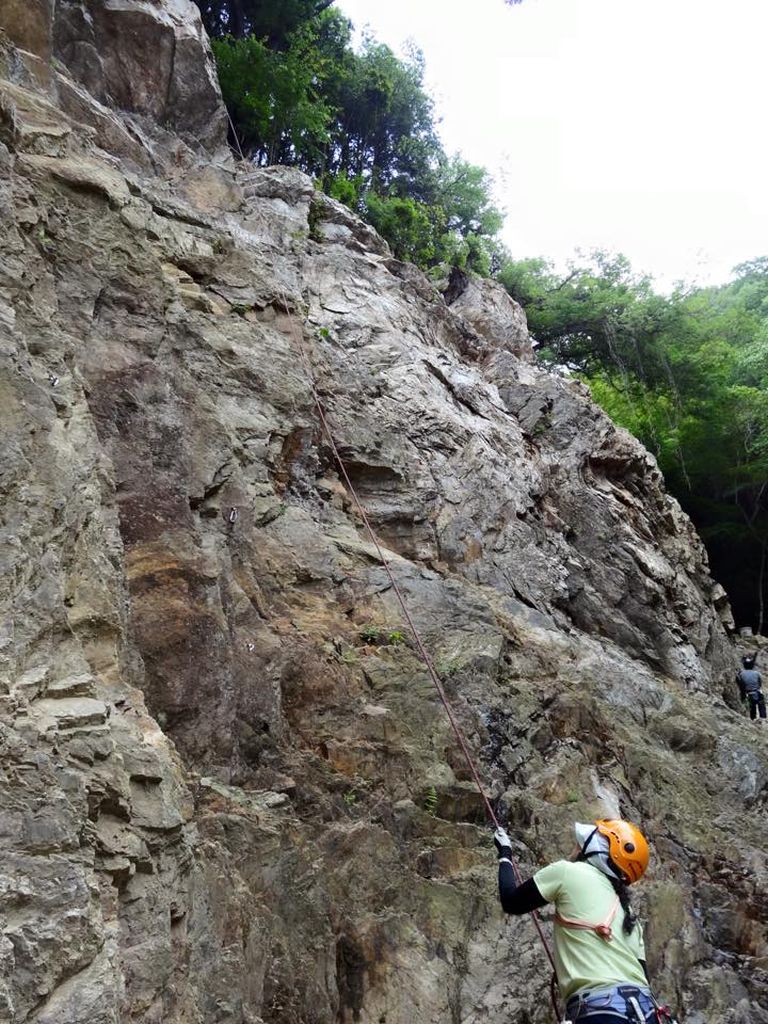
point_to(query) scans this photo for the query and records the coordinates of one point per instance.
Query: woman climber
(599, 954)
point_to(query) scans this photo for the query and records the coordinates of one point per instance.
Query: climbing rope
(235, 136)
(424, 654)
(298, 342)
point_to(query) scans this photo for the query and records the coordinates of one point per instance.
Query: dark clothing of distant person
(751, 689)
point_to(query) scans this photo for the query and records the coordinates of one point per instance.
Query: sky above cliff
(637, 127)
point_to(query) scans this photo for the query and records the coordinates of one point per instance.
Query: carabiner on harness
(664, 1015)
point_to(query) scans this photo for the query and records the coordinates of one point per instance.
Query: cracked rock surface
(228, 793)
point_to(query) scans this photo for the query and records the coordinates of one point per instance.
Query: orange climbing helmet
(627, 847)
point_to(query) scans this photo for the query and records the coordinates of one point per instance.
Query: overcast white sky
(633, 125)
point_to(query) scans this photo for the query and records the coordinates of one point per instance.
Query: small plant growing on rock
(430, 801)
(315, 219)
(375, 636)
(370, 635)
(542, 425)
(45, 240)
(447, 667)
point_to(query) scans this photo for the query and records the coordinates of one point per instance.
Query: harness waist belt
(622, 1000)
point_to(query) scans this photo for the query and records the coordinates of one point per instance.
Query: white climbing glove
(503, 842)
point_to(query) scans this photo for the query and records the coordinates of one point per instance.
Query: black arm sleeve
(517, 899)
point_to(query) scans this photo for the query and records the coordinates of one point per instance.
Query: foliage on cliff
(688, 375)
(359, 121)
(271, 20)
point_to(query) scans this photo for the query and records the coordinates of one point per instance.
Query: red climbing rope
(299, 342)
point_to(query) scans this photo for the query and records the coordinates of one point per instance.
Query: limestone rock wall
(145, 57)
(229, 793)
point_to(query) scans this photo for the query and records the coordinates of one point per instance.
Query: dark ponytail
(622, 891)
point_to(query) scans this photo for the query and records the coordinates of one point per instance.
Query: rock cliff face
(229, 793)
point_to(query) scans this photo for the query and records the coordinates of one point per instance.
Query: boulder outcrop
(229, 793)
(145, 57)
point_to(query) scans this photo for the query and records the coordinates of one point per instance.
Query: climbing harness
(307, 365)
(636, 1009)
(624, 1002)
(621, 1001)
(603, 929)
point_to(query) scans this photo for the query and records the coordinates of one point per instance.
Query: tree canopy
(272, 21)
(359, 121)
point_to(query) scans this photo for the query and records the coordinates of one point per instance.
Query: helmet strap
(583, 855)
(620, 876)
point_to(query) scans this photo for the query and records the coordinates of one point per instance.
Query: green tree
(271, 21)
(273, 100)
(384, 130)
(362, 124)
(597, 313)
(406, 224)
(463, 191)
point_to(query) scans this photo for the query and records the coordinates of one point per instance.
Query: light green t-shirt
(583, 959)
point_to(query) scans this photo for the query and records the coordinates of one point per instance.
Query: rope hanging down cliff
(423, 653)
